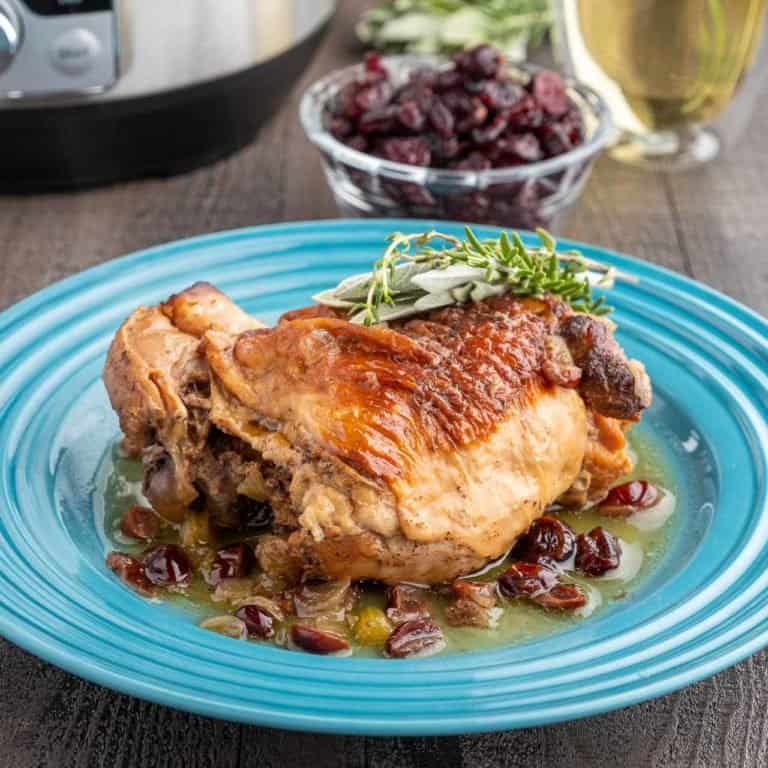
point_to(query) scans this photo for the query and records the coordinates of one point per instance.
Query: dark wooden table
(711, 224)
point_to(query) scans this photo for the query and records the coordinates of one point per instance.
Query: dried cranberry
(447, 79)
(501, 94)
(546, 536)
(423, 77)
(131, 571)
(475, 161)
(523, 148)
(374, 63)
(528, 196)
(476, 116)
(421, 95)
(373, 96)
(481, 62)
(411, 194)
(526, 580)
(468, 206)
(549, 91)
(258, 621)
(339, 127)
(573, 124)
(458, 101)
(358, 142)
(140, 523)
(410, 116)
(555, 139)
(420, 637)
(378, 120)
(562, 597)
(406, 603)
(597, 552)
(445, 149)
(167, 565)
(489, 133)
(545, 561)
(626, 498)
(232, 562)
(411, 151)
(525, 114)
(441, 119)
(344, 103)
(317, 641)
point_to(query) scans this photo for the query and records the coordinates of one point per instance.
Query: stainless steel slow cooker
(93, 91)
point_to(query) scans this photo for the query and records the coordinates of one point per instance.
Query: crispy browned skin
(416, 451)
(434, 384)
(610, 384)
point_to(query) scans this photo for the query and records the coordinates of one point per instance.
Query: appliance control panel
(50, 47)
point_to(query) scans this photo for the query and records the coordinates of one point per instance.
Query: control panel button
(10, 34)
(74, 52)
(63, 7)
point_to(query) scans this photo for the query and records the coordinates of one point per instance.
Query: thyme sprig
(413, 275)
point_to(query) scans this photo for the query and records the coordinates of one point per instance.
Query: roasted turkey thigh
(413, 452)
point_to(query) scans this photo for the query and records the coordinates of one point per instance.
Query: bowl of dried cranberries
(469, 138)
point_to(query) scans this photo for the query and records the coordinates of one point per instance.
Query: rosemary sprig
(413, 276)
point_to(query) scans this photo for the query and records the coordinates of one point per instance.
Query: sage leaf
(433, 301)
(329, 299)
(386, 313)
(439, 280)
(354, 288)
(482, 291)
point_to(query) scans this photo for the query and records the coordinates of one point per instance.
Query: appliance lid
(158, 46)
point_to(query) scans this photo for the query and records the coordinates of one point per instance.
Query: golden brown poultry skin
(412, 452)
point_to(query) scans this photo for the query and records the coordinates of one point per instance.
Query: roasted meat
(416, 451)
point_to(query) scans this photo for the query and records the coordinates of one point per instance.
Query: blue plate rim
(99, 675)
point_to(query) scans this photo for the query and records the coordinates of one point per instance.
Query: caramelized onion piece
(472, 603)
(229, 626)
(466, 613)
(482, 593)
(330, 599)
(406, 603)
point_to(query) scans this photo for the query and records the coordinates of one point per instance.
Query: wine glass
(667, 68)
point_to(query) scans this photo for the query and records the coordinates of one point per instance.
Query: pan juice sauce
(644, 538)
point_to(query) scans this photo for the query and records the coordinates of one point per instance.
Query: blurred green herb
(413, 276)
(446, 26)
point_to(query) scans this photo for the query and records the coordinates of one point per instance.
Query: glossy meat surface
(416, 451)
(391, 394)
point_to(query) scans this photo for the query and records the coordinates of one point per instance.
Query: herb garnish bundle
(413, 276)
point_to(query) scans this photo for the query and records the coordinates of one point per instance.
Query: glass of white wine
(667, 68)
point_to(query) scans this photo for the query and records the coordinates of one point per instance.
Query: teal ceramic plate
(704, 607)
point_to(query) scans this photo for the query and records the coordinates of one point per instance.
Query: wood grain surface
(711, 224)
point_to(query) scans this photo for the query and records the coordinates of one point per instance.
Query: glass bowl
(521, 196)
